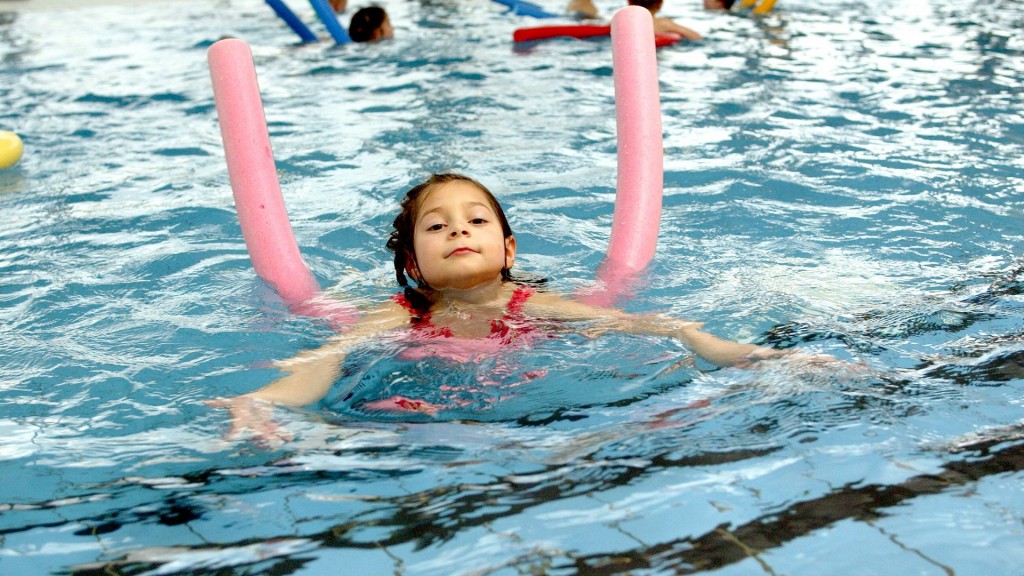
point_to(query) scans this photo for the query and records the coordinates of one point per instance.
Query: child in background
(586, 9)
(756, 7)
(370, 24)
(664, 25)
(719, 4)
(453, 241)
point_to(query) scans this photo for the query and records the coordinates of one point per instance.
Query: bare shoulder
(387, 315)
(380, 318)
(557, 306)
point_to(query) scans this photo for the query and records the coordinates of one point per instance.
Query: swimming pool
(840, 177)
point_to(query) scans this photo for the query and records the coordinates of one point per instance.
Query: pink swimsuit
(428, 340)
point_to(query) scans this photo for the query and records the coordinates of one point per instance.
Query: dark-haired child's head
(403, 238)
(718, 4)
(652, 5)
(370, 24)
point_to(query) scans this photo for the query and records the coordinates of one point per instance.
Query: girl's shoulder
(557, 306)
(412, 301)
(541, 303)
(391, 312)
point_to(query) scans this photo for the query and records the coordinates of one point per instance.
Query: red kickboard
(570, 30)
(579, 31)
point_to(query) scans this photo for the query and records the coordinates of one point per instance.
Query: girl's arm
(718, 351)
(311, 373)
(308, 375)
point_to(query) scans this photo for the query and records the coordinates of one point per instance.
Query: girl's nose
(456, 230)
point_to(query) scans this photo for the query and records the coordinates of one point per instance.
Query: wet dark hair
(645, 3)
(365, 23)
(401, 239)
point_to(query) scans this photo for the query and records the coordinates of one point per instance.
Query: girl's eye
(435, 227)
(478, 221)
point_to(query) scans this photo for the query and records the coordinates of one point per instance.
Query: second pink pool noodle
(254, 184)
(638, 189)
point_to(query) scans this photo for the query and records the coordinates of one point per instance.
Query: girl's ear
(510, 252)
(412, 269)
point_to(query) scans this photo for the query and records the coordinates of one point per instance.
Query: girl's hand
(793, 356)
(255, 416)
(723, 353)
(764, 353)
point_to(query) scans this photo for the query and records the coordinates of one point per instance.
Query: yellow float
(759, 7)
(10, 149)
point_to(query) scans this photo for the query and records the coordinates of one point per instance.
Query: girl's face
(457, 239)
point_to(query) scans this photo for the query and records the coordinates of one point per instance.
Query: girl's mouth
(459, 251)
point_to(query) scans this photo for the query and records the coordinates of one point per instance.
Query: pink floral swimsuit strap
(499, 328)
(439, 342)
(421, 320)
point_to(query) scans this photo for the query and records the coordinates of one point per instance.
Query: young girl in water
(453, 241)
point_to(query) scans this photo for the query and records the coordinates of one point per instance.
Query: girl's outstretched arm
(309, 375)
(721, 352)
(718, 351)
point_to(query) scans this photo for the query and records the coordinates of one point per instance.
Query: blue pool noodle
(292, 20)
(524, 8)
(330, 20)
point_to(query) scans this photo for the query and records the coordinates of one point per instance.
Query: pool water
(840, 177)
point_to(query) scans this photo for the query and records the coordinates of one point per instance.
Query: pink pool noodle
(257, 192)
(638, 193)
(638, 127)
